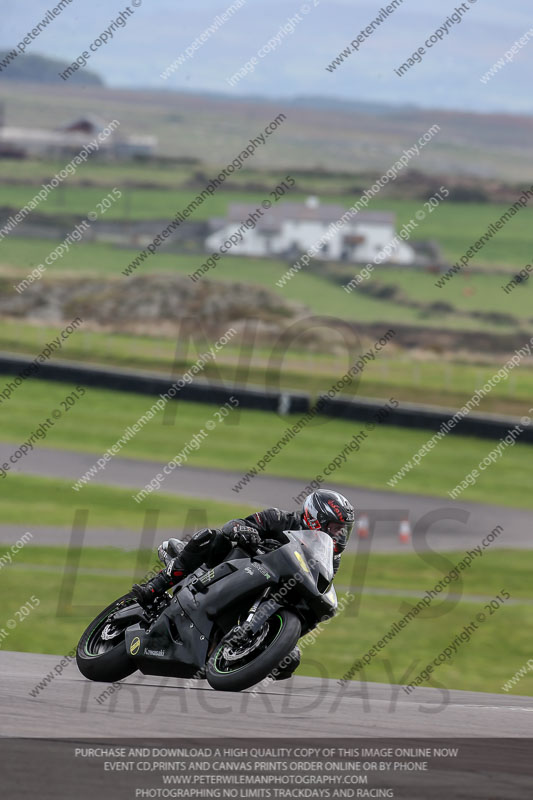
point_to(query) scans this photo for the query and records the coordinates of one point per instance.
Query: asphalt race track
(299, 707)
(449, 525)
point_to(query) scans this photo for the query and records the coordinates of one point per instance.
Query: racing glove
(244, 536)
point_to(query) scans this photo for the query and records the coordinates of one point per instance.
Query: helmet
(328, 511)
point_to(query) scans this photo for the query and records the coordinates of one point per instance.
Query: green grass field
(475, 666)
(247, 435)
(70, 599)
(162, 176)
(319, 294)
(455, 226)
(434, 381)
(19, 257)
(473, 292)
(31, 501)
(478, 665)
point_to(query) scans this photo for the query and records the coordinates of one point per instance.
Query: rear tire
(284, 629)
(99, 659)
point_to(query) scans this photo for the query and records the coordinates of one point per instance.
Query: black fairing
(210, 602)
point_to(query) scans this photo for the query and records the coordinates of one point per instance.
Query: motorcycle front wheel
(234, 667)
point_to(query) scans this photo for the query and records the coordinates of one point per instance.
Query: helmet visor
(337, 529)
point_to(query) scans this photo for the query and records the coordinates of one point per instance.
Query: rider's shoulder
(273, 513)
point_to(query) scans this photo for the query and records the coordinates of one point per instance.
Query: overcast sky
(159, 30)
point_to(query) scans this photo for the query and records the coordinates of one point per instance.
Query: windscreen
(317, 548)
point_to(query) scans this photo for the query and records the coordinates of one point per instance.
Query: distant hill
(41, 69)
(341, 138)
(320, 103)
(313, 102)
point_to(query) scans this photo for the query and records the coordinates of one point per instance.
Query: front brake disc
(235, 655)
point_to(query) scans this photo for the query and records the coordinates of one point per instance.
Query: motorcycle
(232, 624)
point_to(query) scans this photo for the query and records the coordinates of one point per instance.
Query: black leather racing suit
(212, 546)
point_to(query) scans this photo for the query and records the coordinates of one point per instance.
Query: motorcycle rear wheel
(105, 660)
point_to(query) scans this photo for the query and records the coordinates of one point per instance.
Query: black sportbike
(233, 624)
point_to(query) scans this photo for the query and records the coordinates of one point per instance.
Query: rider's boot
(180, 559)
(146, 593)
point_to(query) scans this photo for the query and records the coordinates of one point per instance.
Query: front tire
(105, 660)
(229, 673)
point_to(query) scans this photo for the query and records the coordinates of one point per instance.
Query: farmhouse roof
(87, 123)
(300, 212)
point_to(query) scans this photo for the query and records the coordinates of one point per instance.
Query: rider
(322, 510)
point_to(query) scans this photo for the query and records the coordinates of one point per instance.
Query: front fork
(262, 609)
(253, 611)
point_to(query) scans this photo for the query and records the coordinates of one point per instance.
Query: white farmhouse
(288, 229)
